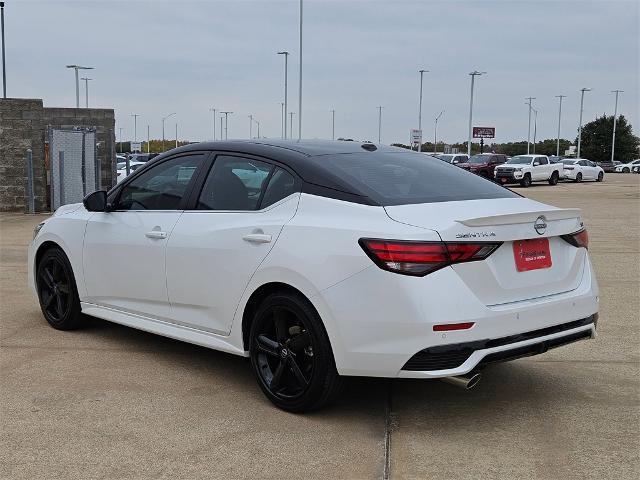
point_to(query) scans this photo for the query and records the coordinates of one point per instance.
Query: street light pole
(135, 126)
(286, 62)
(333, 124)
(529, 129)
(379, 124)
(213, 121)
(300, 87)
(559, 120)
(291, 114)
(435, 134)
(176, 134)
(86, 90)
(422, 72)
(4, 65)
(163, 120)
(250, 126)
(258, 123)
(226, 124)
(220, 126)
(282, 117)
(121, 139)
(76, 68)
(535, 129)
(473, 77)
(615, 115)
(148, 139)
(582, 90)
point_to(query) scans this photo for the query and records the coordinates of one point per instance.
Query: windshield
(407, 178)
(479, 159)
(568, 161)
(519, 160)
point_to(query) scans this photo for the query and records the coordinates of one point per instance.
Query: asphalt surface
(112, 402)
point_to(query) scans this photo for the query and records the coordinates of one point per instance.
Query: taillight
(578, 239)
(420, 258)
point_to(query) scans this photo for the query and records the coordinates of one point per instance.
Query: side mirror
(96, 201)
(535, 164)
(455, 161)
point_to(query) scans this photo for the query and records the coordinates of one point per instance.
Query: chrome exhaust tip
(464, 381)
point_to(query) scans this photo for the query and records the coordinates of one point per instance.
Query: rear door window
(281, 185)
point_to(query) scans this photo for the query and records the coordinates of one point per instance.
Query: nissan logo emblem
(540, 225)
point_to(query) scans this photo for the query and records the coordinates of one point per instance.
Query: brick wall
(23, 125)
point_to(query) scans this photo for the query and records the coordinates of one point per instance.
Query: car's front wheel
(625, 170)
(600, 177)
(57, 291)
(578, 177)
(526, 180)
(291, 355)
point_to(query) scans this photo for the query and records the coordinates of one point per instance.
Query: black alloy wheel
(578, 177)
(526, 181)
(600, 177)
(57, 291)
(291, 355)
(554, 178)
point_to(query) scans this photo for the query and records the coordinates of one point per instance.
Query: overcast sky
(157, 57)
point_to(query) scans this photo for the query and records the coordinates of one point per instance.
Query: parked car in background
(608, 166)
(122, 169)
(626, 167)
(525, 169)
(142, 157)
(555, 159)
(484, 164)
(120, 158)
(454, 157)
(635, 169)
(579, 169)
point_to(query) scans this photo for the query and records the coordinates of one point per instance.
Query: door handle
(257, 238)
(156, 234)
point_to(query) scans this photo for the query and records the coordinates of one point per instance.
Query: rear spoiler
(522, 217)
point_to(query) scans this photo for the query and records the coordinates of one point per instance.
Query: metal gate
(75, 169)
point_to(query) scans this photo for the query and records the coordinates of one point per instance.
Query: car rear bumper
(379, 321)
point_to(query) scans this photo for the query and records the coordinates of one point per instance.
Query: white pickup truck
(524, 169)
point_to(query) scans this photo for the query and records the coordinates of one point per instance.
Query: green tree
(596, 140)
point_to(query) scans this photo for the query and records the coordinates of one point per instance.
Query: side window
(161, 187)
(234, 183)
(543, 160)
(582, 163)
(281, 185)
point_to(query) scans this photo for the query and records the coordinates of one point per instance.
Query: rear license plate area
(532, 254)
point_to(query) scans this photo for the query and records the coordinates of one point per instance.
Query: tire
(554, 178)
(578, 177)
(291, 355)
(600, 177)
(526, 181)
(57, 292)
(625, 170)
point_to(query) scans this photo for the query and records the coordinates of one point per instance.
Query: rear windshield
(406, 178)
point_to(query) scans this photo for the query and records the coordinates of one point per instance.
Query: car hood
(66, 209)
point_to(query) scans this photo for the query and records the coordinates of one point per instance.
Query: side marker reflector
(446, 327)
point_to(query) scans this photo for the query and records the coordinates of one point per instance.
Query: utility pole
(582, 90)
(333, 124)
(220, 126)
(163, 120)
(86, 90)
(213, 121)
(615, 115)
(4, 64)
(135, 126)
(282, 117)
(148, 139)
(529, 130)
(291, 114)
(250, 127)
(76, 68)
(379, 124)
(286, 63)
(535, 129)
(176, 135)
(559, 120)
(435, 134)
(473, 77)
(422, 72)
(121, 139)
(226, 124)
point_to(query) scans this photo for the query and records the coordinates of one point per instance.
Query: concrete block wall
(23, 125)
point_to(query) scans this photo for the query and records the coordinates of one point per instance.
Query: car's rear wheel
(625, 170)
(57, 291)
(526, 180)
(554, 178)
(291, 355)
(600, 177)
(578, 177)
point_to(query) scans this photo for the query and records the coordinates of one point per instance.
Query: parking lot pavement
(112, 402)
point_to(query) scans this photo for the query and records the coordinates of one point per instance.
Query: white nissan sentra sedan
(320, 260)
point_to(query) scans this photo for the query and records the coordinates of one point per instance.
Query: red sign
(484, 132)
(532, 254)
